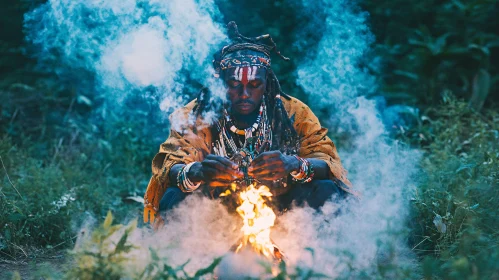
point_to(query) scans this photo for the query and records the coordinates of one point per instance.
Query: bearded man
(262, 135)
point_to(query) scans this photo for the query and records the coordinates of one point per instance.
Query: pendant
(248, 133)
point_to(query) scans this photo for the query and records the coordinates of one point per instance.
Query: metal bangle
(189, 186)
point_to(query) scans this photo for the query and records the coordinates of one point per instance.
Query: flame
(258, 218)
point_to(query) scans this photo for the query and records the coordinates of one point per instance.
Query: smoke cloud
(128, 47)
(369, 232)
(131, 46)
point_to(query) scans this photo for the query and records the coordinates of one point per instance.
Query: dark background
(441, 57)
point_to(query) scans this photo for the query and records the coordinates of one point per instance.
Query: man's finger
(276, 175)
(211, 164)
(209, 173)
(266, 172)
(262, 174)
(268, 164)
(265, 157)
(219, 171)
(216, 184)
(260, 169)
(267, 167)
(270, 177)
(227, 162)
(262, 164)
(217, 165)
(223, 161)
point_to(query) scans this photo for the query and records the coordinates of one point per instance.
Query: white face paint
(252, 73)
(245, 74)
(239, 73)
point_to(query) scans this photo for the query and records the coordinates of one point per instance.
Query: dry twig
(9, 178)
(19, 247)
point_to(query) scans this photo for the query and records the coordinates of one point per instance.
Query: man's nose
(245, 94)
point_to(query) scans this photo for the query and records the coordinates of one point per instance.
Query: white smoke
(132, 45)
(370, 232)
(198, 231)
(129, 46)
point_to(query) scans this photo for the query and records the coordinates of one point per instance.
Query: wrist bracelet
(179, 178)
(301, 173)
(306, 173)
(185, 182)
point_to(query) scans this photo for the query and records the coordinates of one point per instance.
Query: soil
(29, 268)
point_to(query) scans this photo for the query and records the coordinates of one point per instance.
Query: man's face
(245, 88)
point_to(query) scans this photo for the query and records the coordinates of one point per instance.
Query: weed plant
(66, 157)
(455, 219)
(59, 173)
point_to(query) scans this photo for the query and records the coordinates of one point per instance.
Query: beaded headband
(244, 61)
(264, 45)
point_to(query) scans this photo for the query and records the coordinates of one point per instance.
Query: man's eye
(234, 83)
(255, 84)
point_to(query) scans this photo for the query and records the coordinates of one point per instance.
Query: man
(262, 135)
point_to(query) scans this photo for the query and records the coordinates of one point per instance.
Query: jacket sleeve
(185, 144)
(314, 143)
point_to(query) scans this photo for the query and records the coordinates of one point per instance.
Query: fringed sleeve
(314, 142)
(185, 144)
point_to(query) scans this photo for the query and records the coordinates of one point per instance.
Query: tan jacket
(189, 143)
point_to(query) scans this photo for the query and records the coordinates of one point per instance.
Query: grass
(47, 198)
(454, 220)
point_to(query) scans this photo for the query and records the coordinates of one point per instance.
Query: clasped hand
(217, 171)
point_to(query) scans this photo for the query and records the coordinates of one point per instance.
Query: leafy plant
(431, 46)
(455, 219)
(158, 268)
(106, 255)
(66, 156)
(102, 257)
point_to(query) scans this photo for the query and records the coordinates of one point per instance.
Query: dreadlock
(285, 137)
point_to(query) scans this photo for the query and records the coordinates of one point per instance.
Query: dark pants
(315, 194)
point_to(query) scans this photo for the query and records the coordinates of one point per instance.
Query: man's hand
(273, 165)
(215, 171)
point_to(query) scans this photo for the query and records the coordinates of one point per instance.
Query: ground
(28, 268)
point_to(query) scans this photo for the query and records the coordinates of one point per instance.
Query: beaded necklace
(254, 136)
(248, 131)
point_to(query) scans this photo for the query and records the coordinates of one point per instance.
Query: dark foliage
(65, 156)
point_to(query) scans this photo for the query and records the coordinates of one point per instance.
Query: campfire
(258, 219)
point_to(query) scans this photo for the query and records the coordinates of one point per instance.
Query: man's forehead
(246, 72)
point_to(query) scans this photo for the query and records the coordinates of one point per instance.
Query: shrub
(455, 220)
(56, 193)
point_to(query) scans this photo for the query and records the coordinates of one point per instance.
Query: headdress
(261, 45)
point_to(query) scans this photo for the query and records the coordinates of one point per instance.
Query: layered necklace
(248, 132)
(255, 136)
